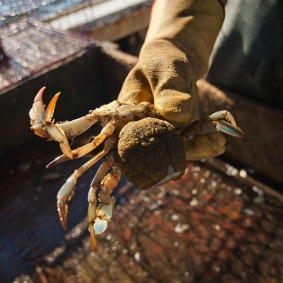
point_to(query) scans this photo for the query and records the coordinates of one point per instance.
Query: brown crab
(148, 158)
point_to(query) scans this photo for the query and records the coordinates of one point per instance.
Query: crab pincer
(36, 114)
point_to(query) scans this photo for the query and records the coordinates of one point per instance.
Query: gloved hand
(174, 56)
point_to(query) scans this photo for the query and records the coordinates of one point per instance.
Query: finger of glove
(172, 81)
(176, 105)
(136, 88)
(164, 79)
(205, 146)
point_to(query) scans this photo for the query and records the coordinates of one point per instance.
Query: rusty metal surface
(212, 226)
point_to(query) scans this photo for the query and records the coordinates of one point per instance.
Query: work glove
(174, 56)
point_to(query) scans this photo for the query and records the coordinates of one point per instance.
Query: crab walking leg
(85, 149)
(105, 166)
(66, 191)
(58, 160)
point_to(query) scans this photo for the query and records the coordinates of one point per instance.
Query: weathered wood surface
(211, 226)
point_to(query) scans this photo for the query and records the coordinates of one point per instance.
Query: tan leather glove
(174, 56)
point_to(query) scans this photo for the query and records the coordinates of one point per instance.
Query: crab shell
(146, 156)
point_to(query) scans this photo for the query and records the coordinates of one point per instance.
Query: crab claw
(42, 124)
(228, 125)
(50, 108)
(227, 128)
(54, 130)
(104, 214)
(36, 114)
(221, 121)
(98, 219)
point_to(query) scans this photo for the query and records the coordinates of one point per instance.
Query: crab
(122, 146)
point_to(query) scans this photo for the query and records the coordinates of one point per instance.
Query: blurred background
(220, 223)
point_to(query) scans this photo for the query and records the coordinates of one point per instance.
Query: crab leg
(57, 160)
(104, 212)
(85, 149)
(98, 218)
(67, 190)
(99, 177)
(77, 126)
